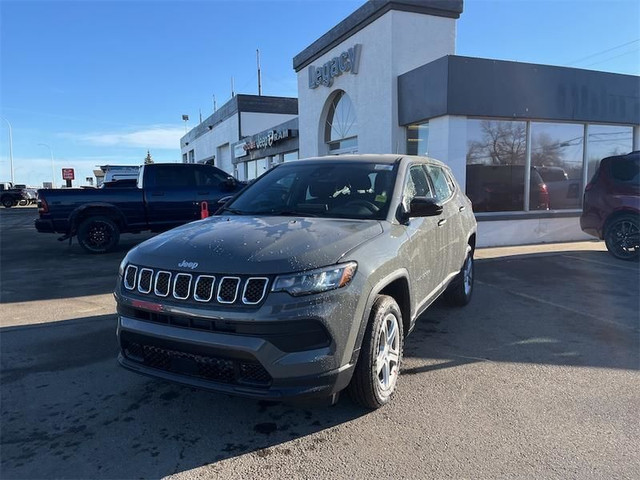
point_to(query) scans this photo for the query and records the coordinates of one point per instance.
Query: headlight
(316, 281)
(123, 264)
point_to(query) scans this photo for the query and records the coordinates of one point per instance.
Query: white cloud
(152, 137)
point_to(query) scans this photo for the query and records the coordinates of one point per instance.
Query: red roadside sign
(68, 174)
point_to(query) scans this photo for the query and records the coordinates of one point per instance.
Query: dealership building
(522, 139)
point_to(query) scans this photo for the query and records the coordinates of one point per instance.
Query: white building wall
(207, 144)
(502, 233)
(394, 44)
(448, 143)
(253, 123)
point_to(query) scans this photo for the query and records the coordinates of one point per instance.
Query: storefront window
(557, 156)
(289, 156)
(418, 139)
(605, 141)
(496, 156)
(251, 170)
(342, 125)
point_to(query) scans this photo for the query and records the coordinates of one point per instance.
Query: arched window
(341, 127)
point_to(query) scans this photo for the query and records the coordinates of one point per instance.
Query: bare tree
(502, 143)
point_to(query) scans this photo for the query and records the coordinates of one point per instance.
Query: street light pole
(53, 172)
(10, 148)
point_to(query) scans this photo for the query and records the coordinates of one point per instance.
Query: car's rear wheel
(622, 237)
(376, 373)
(7, 201)
(459, 292)
(98, 234)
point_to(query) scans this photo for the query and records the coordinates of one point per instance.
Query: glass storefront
(496, 157)
(497, 162)
(418, 139)
(289, 156)
(604, 141)
(557, 156)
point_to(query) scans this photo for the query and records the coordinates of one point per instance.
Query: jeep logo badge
(185, 264)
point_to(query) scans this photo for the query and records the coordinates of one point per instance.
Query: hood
(254, 246)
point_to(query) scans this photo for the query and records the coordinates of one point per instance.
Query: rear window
(625, 170)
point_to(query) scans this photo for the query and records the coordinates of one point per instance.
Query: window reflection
(496, 155)
(556, 155)
(418, 139)
(606, 141)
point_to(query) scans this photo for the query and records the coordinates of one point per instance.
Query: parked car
(611, 206)
(500, 188)
(11, 195)
(306, 283)
(564, 193)
(169, 195)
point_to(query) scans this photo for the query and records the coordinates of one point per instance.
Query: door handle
(442, 222)
(203, 193)
(157, 194)
(462, 208)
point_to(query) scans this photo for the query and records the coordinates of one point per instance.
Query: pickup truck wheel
(7, 201)
(98, 234)
(376, 373)
(458, 293)
(23, 203)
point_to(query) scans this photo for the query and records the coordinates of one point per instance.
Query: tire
(622, 237)
(7, 201)
(376, 374)
(23, 203)
(98, 234)
(460, 291)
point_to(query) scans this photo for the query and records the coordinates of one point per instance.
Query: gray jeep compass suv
(304, 284)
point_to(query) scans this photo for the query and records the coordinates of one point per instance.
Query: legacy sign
(347, 61)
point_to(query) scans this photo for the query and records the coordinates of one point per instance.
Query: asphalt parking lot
(537, 378)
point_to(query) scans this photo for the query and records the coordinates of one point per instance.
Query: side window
(441, 183)
(416, 185)
(170, 176)
(209, 176)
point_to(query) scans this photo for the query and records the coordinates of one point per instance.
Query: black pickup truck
(167, 195)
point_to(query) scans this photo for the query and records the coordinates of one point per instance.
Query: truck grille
(200, 288)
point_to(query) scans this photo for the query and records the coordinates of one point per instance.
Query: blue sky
(104, 81)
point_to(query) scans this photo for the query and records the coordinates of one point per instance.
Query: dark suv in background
(611, 208)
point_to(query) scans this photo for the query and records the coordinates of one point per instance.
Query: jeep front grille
(224, 290)
(228, 289)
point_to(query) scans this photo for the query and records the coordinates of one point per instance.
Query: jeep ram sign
(347, 61)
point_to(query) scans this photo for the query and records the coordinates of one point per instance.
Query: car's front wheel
(622, 237)
(376, 373)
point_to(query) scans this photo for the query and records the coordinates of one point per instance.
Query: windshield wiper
(235, 211)
(291, 213)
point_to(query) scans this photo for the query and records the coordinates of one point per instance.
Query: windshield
(334, 190)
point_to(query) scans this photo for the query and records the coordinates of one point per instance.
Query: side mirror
(424, 207)
(224, 200)
(230, 183)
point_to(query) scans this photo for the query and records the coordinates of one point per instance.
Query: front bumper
(255, 358)
(44, 225)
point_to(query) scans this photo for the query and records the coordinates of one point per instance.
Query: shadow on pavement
(69, 411)
(571, 309)
(36, 266)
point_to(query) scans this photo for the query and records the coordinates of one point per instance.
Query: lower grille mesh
(204, 366)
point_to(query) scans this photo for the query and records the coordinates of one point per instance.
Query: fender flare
(373, 293)
(107, 209)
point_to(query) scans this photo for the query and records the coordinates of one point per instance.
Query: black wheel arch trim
(400, 274)
(104, 209)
